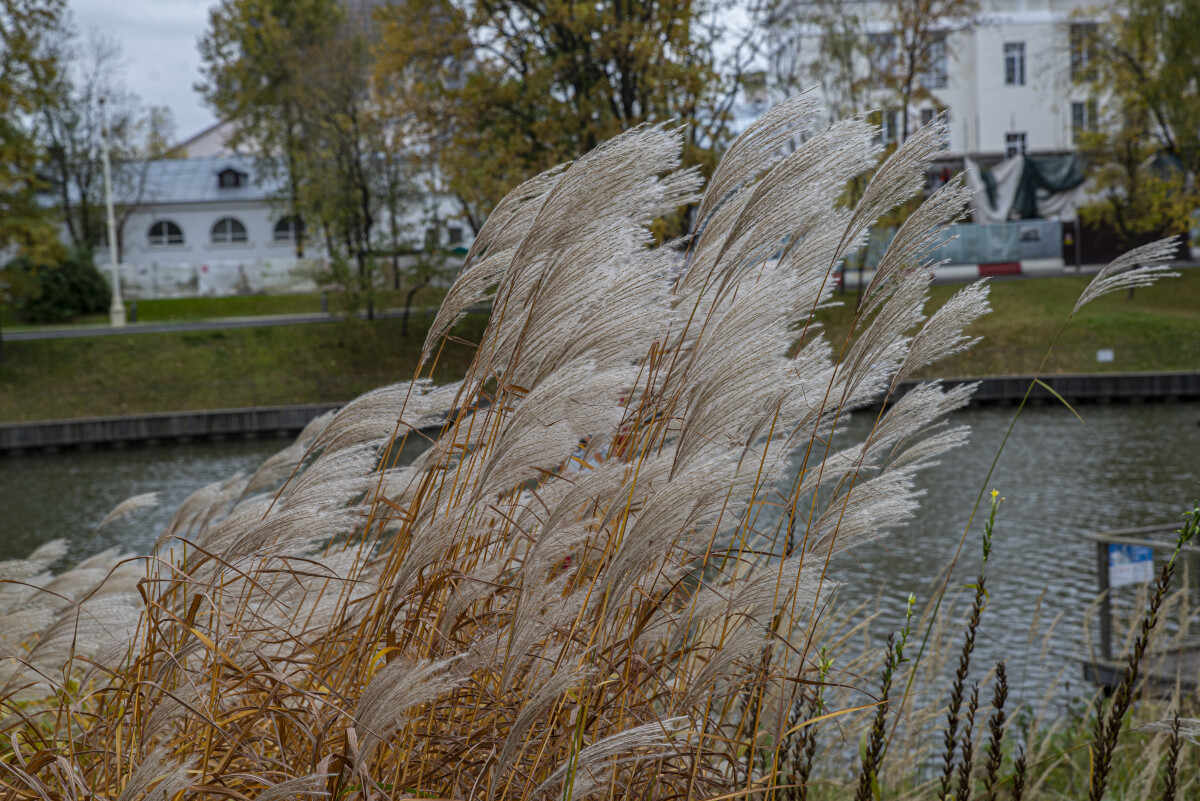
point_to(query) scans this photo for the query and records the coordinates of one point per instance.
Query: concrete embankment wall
(150, 429)
(288, 420)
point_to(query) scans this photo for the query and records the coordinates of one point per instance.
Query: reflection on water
(1131, 465)
(47, 496)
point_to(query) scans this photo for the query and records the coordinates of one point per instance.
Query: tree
(910, 59)
(1139, 63)
(1141, 56)
(1144, 194)
(70, 130)
(255, 70)
(834, 66)
(503, 89)
(27, 67)
(296, 81)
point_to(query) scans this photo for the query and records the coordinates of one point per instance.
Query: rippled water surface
(1131, 465)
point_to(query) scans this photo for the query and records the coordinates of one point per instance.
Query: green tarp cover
(1052, 173)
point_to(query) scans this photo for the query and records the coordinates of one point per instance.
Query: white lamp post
(116, 312)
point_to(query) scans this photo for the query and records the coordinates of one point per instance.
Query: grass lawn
(1158, 330)
(98, 376)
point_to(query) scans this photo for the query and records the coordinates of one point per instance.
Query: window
(1083, 39)
(1014, 63)
(1014, 144)
(165, 232)
(228, 230)
(455, 235)
(927, 115)
(432, 240)
(881, 51)
(1083, 118)
(889, 126)
(230, 178)
(937, 76)
(289, 229)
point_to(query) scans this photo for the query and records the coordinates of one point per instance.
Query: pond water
(1129, 466)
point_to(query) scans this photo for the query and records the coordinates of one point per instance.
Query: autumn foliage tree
(1140, 63)
(296, 83)
(503, 89)
(27, 68)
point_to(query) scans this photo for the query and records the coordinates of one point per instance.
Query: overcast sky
(158, 40)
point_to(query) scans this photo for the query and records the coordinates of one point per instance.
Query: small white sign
(1130, 564)
(1104, 355)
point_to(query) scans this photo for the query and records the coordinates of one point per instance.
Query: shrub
(60, 291)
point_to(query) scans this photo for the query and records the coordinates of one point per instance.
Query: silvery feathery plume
(731, 652)
(537, 703)
(757, 148)
(918, 238)
(492, 252)
(508, 223)
(868, 511)
(882, 347)
(901, 176)
(286, 461)
(573, 402)
(438, 528)
(335, 478)
(916, 410)
(792, 581)
(19, 577)
(539, 611)
(310, 786)
(392, 692)
(942, 334)
(632, 309)
(816, 171)
(574, 212)
(648, 741)
(679, 516)
(290, 532)
(1139, 267)
(102, 620)
(168, 713)
(159, 772)
(202, 507)
(925, 451)
(246, 516)
(128, 507)
(1189, 728)
(469, 289)
(379, 414)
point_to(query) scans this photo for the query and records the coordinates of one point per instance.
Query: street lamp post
(116, 312)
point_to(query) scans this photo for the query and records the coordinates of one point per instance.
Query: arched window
(165, 232)
(289, 229)
(227, 230)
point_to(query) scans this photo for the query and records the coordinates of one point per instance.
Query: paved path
(66, 332)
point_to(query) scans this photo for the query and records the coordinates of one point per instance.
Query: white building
(1005, 82)
(210, 224)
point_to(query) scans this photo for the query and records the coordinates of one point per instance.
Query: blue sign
(1129, 564)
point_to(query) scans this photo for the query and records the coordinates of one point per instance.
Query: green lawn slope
(1159, 329)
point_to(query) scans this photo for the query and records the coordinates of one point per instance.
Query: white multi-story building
(1006, 81)
(209, 224)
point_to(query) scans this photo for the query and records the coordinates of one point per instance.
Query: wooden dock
(1159, 671)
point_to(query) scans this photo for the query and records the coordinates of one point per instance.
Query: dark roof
(195, 181)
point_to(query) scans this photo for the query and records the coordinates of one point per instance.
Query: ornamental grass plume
(604, 578)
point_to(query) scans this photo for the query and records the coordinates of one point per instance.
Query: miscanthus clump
(604, 575)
